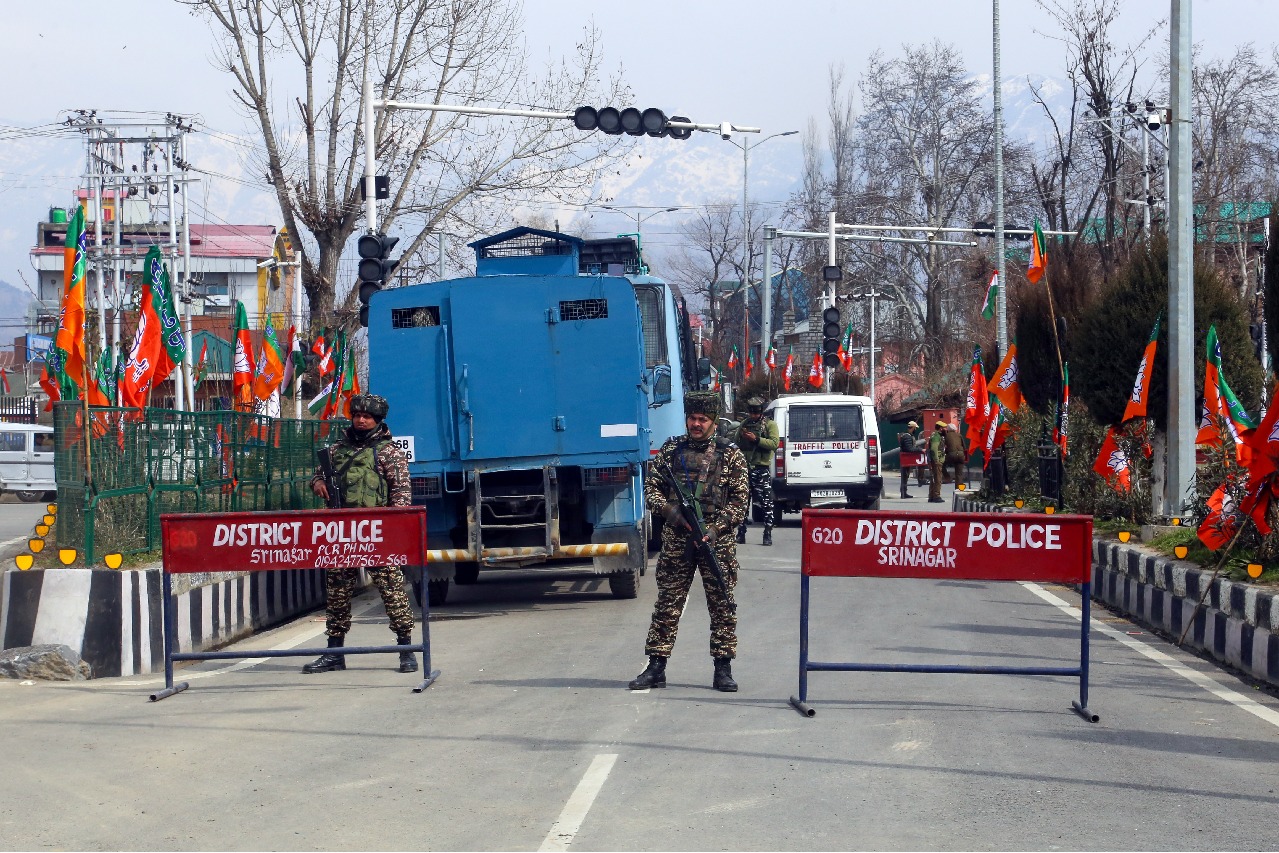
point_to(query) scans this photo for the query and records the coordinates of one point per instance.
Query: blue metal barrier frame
(171, 632)
(800, 702)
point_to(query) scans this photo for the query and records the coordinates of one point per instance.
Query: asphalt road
(530, 739)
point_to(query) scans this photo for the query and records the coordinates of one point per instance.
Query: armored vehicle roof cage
(599, 257)
(527, 251)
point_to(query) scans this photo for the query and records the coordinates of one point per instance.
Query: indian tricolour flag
(989, 306)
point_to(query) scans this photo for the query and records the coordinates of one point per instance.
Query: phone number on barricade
(306, 539)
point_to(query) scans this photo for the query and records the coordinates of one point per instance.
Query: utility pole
(1181, 306)
(1001, 261)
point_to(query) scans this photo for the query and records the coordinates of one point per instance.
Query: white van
(828, 452)
(26, 461)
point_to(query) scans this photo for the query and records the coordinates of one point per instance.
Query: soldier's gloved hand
(711, 534)
(671, 513)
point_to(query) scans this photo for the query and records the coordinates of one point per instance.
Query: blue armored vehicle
(531, 396)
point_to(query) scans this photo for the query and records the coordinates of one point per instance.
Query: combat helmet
(755, 405)
(371, 404)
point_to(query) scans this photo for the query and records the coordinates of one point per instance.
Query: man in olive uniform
(757, 438)
(370, 470)
(713, 470)
(936, 458)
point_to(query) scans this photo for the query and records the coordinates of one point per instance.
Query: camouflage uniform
(393, 467)
(759, 465)
(720, 468)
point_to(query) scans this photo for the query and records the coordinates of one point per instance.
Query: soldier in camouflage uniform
(757, 437)
(370, 471)
(713, 469)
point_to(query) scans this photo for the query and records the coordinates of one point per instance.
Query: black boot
(408, 660)
(654, 676)
(741, 534)
(330, 661)
(768, 536)
(724, 676)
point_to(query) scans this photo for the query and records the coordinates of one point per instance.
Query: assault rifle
(690, 511)
(330, 478)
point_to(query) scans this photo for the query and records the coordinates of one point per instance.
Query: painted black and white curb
(1238, 623)
(114, 618)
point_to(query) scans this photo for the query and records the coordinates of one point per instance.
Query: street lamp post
(766, 301)
(640, 219)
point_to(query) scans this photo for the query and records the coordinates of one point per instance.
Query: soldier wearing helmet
(714, 470)
(370, 471)
(757, 437)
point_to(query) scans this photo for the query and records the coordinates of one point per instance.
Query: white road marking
(304, 634)
(570, 820)
(15, 540)
(1235, 698)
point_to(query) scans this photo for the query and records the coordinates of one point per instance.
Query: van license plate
(826, 493)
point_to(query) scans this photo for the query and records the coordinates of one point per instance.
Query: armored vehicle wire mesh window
(583, 309)
(650, 305)
(416, 317)
(826, 423)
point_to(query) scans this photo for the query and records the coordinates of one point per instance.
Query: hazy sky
(749, 62)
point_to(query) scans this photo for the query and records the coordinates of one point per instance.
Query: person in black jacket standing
(907, 443)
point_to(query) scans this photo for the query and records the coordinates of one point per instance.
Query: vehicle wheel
(437, 592)
(465, 574)
(624, 584)
(29, 497)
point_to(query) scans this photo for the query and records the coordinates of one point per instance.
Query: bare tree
(297, 67)
(1236, 108)
(1103, 79)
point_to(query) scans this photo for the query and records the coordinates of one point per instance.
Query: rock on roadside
(47, 663)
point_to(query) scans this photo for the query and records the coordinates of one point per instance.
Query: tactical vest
(355, 469)
(701, 470)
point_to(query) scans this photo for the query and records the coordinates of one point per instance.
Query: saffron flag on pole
(203, 366)
(977, 405)
(49, 383)
(1062, 427)
(996, 431)
(815, 372)
(789, 369)
(770, 360)
(350, 384)
(846, 349)
(270, 372)
(4, 380)
(68, 346)
(1222, 521)
(732, 359)
(158, 342)
(324, 351)
(1221, 403)
(989, 305)
(242, 371)
(750, 365)
(1038, 256)
(1140, 397)
(1006, 384)
(1112, 463)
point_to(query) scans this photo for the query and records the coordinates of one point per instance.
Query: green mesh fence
(144, 463)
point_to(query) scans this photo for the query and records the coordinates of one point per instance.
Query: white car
(827, 453)
(26, 461)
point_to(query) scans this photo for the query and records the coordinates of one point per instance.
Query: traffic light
(375, 268)
(704, 373)
(631, 120)
(830, 337)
